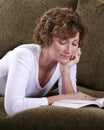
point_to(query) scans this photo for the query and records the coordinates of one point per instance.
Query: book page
(78, 103)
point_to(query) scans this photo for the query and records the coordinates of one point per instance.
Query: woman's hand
(75, 96)
(81, 96)
(74, 59)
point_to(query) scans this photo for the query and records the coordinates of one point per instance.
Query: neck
(46, 60)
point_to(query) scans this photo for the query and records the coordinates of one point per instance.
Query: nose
(68, 49)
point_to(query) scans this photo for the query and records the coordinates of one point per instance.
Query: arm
(68, 73)
(69, 80)
(71, 77)
(78, 96)
(15, 93)
(68, 83)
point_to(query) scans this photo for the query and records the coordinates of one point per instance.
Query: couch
(17, 22)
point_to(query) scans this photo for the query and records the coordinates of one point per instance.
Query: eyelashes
(64, 43)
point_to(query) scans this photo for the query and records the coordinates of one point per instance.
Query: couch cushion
(91, 66)
(18, 17)
(54, 118)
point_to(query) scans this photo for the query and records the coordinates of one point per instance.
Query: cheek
(74, 49)
(58, 49)
(55, 51)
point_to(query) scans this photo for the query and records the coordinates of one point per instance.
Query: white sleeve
(18, 75)
(72, 72)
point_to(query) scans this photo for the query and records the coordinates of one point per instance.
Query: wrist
(64, 69)
(65, 72)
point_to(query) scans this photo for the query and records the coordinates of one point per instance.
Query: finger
(73, 57)
(77, 58)
(78, 52)
(79, 55)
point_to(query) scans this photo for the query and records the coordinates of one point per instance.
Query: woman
(29, 72)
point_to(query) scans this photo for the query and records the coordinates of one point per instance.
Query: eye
(75, 43)
(62, 42)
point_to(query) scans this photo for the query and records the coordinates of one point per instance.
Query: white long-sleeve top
(19, 72)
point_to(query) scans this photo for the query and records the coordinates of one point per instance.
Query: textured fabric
(18, 19)
(91, 65)
(54, 118)
(14, 29)
(92, 92)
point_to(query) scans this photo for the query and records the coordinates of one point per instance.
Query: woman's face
(62, 49)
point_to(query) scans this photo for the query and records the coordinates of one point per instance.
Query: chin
(64, 62)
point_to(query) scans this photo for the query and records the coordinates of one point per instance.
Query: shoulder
(26, 53)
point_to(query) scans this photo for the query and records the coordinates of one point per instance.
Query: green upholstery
(92, 59)
(18, 19)
(17, 22)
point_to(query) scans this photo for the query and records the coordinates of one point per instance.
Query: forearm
(52, 99)
(77, 96)
(19, 104)
(67, 86)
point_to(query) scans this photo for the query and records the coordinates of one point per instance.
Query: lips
(65, 56)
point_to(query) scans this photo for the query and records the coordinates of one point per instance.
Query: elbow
(11, 107)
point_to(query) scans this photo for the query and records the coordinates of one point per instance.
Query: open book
(73, 103)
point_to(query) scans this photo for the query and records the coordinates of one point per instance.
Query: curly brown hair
(58, 22)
